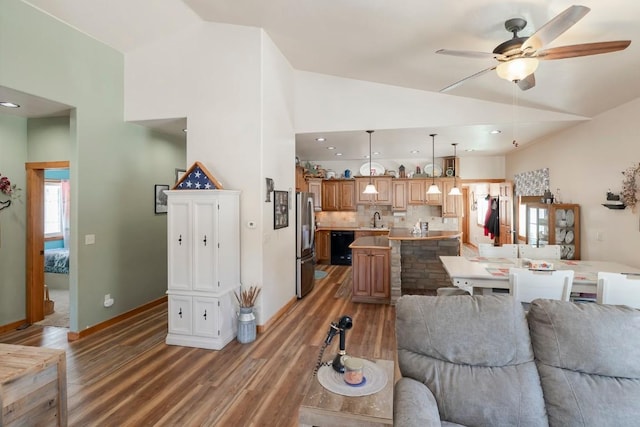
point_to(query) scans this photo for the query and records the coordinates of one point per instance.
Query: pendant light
(370, 188)
(455, 191)
(433, 188)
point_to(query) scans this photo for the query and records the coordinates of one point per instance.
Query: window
(52, 208)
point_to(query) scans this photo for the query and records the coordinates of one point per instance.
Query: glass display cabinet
(555, 224)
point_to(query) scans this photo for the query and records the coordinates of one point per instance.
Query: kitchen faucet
(374, 219)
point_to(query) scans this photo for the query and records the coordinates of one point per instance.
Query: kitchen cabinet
(417, 192)
(371, 275)
(555, 224)
(399, 195)
(323, 247)
(383, 185)
(301, 184)
(338, 195)
(451, 205)
(314, 186)
(203, 266)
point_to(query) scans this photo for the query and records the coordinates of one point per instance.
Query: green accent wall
(113, 167)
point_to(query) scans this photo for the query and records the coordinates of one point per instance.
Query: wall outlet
(108, 301)
(89, 239)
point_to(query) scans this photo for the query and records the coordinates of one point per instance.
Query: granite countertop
(371, 242)
(406, 234)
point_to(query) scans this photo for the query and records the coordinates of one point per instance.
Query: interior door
(35, 237)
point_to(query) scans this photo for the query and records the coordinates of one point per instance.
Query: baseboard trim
(74, 336)
(263, 328)
(12, 326)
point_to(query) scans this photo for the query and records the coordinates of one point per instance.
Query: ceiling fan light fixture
(517, 69)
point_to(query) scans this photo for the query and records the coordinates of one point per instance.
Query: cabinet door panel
(205, 317)
(229, 244)
(379, 274)
(205, 219)
(180, 314)
(179, 236)
(361, 273)
(416, 192)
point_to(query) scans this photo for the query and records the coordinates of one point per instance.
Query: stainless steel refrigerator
(305, 244)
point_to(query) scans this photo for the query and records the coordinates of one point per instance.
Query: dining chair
(505, 251)
(527, 285)
(542, 252)
(618, 289)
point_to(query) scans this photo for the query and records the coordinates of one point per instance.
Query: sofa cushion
(588, 357)
(475, 356)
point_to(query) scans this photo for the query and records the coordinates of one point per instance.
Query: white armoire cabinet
(204, 266)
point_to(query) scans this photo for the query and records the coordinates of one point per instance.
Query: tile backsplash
(363, 217)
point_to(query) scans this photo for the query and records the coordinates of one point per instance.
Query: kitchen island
(415, 260)
(403, 262)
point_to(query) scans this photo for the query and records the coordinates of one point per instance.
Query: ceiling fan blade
(584, 49)
(527, 83)
(552, 29)
(459, 82)
(469, 54)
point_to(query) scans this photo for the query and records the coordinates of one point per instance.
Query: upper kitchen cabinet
(417, 192)
(383, 185)
(301, 184)
(399, 195)
(315, 187)
(338, 195)
(451, 205)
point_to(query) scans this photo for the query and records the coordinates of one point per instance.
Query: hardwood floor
(126, 375)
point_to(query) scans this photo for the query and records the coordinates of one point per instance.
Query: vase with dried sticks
(246, 319)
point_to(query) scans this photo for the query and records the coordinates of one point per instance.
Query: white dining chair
(542, 252)
(505, 251)
(527, 285)
(618, 289)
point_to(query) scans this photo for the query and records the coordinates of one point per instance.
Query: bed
(56, 268)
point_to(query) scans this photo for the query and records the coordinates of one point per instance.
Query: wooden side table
(33, 386)
(320, 407)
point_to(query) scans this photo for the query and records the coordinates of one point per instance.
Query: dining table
(478, 275)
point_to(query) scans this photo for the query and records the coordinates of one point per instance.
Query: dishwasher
(340, 251)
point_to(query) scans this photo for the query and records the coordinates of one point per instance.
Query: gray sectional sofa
(481, 361)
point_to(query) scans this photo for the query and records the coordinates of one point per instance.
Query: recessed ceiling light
(377, 153)
(469, 149)
(414, 151)
(331, 148)
(321, 139)
(338, 154)
(9, 104)
(495, 132)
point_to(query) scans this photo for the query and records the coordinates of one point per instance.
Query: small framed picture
(280, 209)
(160, 198)
(179, 173)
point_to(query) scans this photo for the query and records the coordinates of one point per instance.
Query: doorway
(35, 237)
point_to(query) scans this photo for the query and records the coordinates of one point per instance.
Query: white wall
(584, 162)
(235, 88)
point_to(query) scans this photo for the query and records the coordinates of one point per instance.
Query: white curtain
(66, 209)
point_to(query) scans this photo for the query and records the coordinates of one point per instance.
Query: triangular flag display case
(197, 177)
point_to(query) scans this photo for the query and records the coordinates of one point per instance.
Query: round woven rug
(319, 274)
(333, 381)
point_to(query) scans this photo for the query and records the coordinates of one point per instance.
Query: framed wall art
(280, 209)
(160, 198)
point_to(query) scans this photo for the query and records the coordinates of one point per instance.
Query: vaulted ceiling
(395, 43)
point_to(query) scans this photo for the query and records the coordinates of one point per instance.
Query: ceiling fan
(518, 57)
